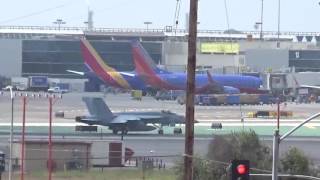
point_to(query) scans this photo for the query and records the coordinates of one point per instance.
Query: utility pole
(189, 131)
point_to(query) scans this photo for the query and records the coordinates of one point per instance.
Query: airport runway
(37, 114)
(71, 103)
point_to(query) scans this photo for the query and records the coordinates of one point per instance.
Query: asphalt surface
(72, 105)
(153, 145)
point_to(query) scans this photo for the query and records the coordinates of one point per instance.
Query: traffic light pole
(275, 157)
(277, 140)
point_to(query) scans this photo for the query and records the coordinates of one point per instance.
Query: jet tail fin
(98, 108)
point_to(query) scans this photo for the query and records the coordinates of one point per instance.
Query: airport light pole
(50, 139)
(11, 135)
(23, 138)
(278, 39)
(59, 22)
(52, 100)
(276, 143)
(189, 128)
(147, 23)
(261, 22)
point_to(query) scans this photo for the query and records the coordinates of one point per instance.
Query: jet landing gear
(114, 131)
(160, 131)
(177, 131)
(123, 131)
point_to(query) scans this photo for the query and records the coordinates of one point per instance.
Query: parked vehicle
(38, 83)
(168, 95)
(57, 90)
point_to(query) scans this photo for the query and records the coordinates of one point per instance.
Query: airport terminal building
(49, 51)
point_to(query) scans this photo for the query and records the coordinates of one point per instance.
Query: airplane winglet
(76, 72)
(210, 79)
(295, 80)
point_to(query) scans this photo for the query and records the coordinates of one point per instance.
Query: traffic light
(240, 170)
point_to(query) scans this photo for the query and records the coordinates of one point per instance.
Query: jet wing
(143, 118)
(121, 119)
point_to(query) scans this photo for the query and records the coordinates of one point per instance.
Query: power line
(33, 14)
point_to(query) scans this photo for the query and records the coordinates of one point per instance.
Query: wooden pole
(189, 131)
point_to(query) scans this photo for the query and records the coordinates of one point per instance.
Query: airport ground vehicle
(136, 94)
(57, 90)
(168, 95)
(38, 83)
(236, 99)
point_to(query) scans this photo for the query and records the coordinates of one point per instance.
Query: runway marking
(310, 127)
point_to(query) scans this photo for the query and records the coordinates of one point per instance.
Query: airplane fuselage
(178, 81)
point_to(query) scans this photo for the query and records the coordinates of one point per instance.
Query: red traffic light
(241, 169)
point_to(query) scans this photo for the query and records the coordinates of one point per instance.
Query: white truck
(57, 90)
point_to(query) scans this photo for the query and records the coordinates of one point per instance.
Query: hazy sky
(296, 15)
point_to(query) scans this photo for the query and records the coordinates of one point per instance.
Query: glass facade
(54, 57)
(305, 60)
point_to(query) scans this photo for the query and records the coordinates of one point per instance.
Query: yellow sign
(224, 48)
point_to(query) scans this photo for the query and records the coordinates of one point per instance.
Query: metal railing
(158, 30)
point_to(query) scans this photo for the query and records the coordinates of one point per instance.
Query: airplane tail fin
(98, 108)
(295, 81)
(143, 61)
(215, 87)
(93, 62)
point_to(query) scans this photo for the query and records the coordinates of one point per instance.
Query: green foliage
(245, 145)
(295, 162)
(240, 145)
(202, 169)
(225, 148)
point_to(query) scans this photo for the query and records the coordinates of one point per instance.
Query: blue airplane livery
(205, 83)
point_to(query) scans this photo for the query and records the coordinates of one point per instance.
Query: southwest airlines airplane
(147, 75)
(96, 68)
(230, 84)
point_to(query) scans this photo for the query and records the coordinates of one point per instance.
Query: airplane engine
(230, 90)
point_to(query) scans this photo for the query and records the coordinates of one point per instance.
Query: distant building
(28, 51)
